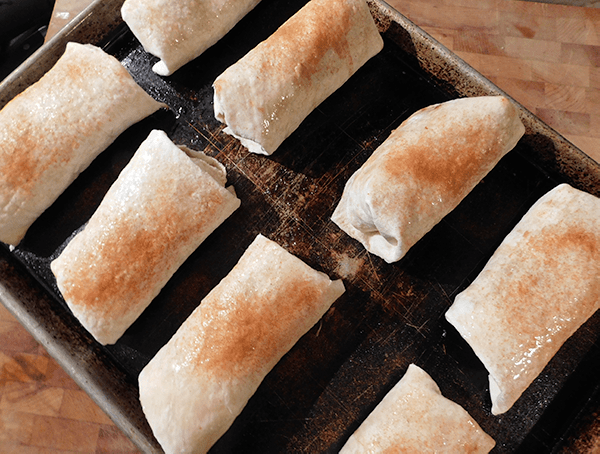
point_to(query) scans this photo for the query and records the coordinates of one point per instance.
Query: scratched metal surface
(390, 315)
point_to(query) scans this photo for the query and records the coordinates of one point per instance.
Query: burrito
(164, 203)
(199, 382)
(537, 289)
(265, 96)
(423, 170)
(415, 417)
(177, 31)
(55, 128)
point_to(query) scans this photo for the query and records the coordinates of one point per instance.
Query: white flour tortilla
(265, 96)
(165, 202)
(414, 417)
(177, 31)
(538, 288)
(54, 129)
(423, 170)
(197, 384)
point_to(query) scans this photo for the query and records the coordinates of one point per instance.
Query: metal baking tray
(389, 317)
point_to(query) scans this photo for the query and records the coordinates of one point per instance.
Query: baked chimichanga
(414, 417)
(423, 170)
(177, 31)
(164, 203)
(265, 96)
(198, 383)
(56, 127)
(538, 288)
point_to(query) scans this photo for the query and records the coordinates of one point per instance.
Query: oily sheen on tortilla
(414, 417)
(537, 289)
(423, 170)
(265, 96)
(165, 202)
(54, 129)
(177, 31)
(199, 382)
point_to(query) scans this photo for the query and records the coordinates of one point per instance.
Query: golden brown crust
(443, 159)
(131, 258)
(243, 341)
(55, 128)
(321, 27)
(26, 163)
(154, 216)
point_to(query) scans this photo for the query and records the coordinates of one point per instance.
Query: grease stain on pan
(348, 267)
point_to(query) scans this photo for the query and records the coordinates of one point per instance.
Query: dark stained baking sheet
(389, 317)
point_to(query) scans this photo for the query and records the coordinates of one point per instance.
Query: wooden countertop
(545, 56)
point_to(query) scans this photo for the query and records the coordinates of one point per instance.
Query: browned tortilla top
(448, 151)
(131, 259)
(153, 217)
(537, 289)
(321, 26)
(551, 248)
(255, 315)
(46, 125)
(56, 128)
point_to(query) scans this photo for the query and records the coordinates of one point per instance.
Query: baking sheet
(390, 315)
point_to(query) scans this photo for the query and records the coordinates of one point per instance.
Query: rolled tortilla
(164, 203)
(177, 31)
(199, 382)
(423, 170)
(265, 96)
(415, 417)
(538, 288)
(56, 127)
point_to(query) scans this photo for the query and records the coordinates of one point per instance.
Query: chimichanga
(538, 288)
(423, 170)
(56, 127)
(164, 203)
(177, 31)
(198, 383)
(265, 96)
(414, 417)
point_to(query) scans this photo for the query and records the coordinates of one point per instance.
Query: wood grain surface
(42, 410)
(546, 56)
